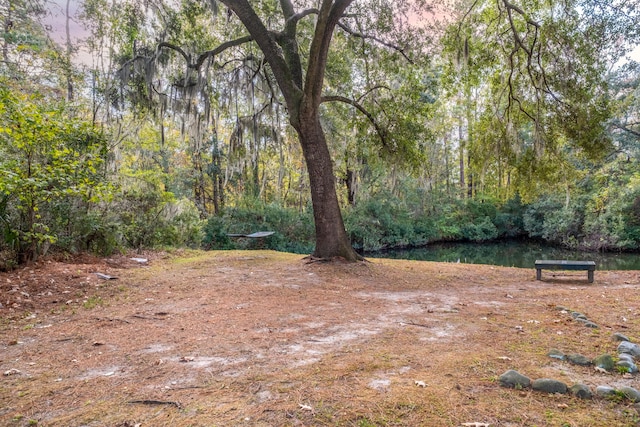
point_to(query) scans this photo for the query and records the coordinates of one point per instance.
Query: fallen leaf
(563, 405)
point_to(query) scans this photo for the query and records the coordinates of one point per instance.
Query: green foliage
(603, 215)
(611, 217)
(47, 160)
(380, 222)
(294, 231)
(215, 234)
(98, 232)
(535, 216)
(551, 220)
(481, 231)
(525, 133)
(150, 217)
(387, 222)
(509, 219)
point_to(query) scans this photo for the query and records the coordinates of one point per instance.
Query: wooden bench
(590, 266)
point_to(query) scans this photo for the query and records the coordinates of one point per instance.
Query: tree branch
(328, 17)
(287, 40)
(204, 55)
(218, 50)
(376, 39)
(178, 49)
(272, 52)
(372, 89)
(301, 15)
(381, 133)
(625, 128)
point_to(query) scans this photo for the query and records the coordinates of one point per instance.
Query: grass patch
(92, 302)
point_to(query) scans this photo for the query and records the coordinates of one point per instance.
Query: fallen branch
(139, 316)
(415, 324)
(108, 319)
(156, 402)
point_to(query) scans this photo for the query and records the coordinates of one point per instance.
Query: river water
(510, 254)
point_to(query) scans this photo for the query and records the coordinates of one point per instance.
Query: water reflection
(509, 254)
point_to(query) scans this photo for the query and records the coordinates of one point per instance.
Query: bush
(97, 231)
(379, 223)
(47, 160)
(293, 230)
(536, 214)
(215, 234)
(148, 217)
(480, 231)
(509, 218)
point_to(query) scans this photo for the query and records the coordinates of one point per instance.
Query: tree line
(337, 124)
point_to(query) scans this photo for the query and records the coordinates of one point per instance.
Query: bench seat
(589, 266)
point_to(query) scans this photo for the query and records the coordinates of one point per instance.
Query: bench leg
(590, 276)
(538, 274)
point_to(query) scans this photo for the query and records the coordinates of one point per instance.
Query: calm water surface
(510, 254)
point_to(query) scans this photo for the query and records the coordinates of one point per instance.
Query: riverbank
(263, 338)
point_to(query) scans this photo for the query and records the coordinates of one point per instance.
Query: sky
(56, 19)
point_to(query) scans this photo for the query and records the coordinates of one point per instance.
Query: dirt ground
(263, 338)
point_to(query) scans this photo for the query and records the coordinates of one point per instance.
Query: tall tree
(290, 45)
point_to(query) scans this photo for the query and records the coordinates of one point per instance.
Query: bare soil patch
(263, 338)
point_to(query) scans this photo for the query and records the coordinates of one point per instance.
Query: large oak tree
(294, 41)
(302, 93)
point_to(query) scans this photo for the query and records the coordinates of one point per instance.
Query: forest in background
(503, 120)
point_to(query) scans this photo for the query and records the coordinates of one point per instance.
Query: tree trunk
(69, 51)
(461, 142)
(331, 237)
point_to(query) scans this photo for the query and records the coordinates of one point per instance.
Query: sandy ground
(263, 338)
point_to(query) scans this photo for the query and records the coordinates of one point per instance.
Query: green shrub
(481, 231)
(47, 160)
(509, 220)
(380, 222)
(293, 229)
(215, 234)
(536, 214)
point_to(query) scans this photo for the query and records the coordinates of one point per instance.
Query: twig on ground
(415, 324)
(155, 402)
